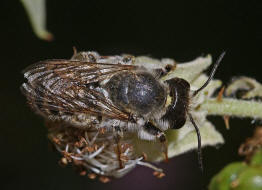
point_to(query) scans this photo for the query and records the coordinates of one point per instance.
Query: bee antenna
(199, 150)
(211, 74)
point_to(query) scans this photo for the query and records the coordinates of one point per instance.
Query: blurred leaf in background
(36, 11)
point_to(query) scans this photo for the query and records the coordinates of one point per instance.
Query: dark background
(181, 30)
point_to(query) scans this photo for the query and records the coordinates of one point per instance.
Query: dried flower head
(99, 153)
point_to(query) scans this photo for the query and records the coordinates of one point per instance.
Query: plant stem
(233, 107)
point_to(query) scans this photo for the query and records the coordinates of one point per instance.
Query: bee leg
(118, 134)
(117, 130)
(81, 56)
(168, 65)
(85, 56)
(118, 150)
(151, 129)
(160, 135)
(74, 51)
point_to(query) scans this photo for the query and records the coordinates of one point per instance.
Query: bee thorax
(139, 93)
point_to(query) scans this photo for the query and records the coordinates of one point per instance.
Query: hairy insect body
(96, 91)
(104, 97)
(139, 93)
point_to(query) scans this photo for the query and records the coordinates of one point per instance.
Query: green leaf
(190, 70)
(179, 142)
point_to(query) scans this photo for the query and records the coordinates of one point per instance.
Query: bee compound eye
(176, 113)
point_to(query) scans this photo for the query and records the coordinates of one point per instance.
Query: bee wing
(79, 72)
(64, 87)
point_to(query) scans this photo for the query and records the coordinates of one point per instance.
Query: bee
(115, 93)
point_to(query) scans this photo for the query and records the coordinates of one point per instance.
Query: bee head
(177, 110)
